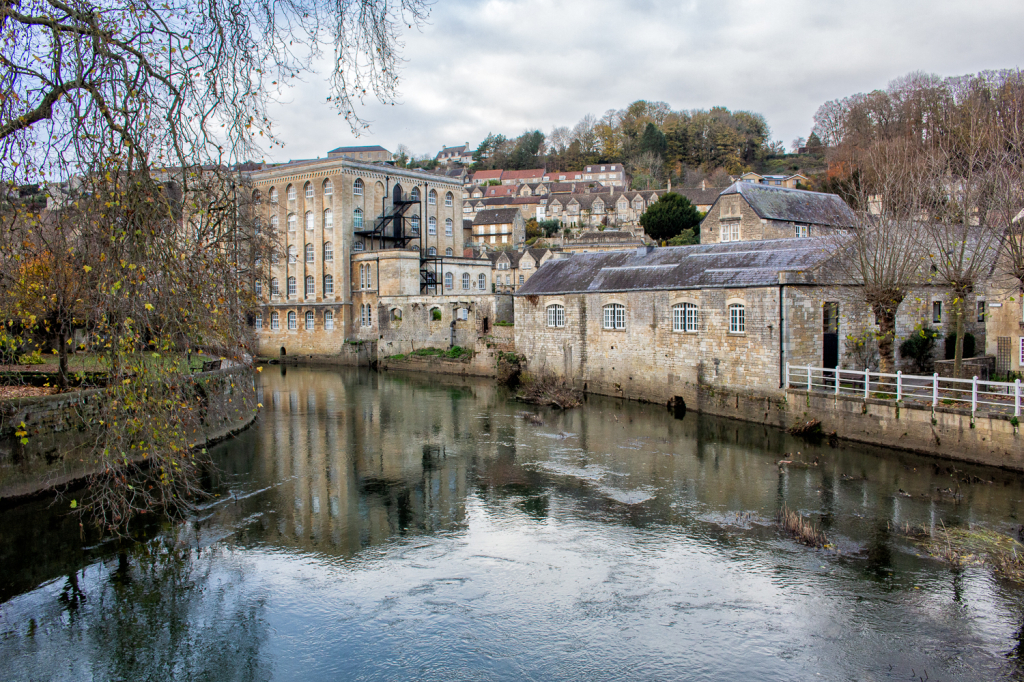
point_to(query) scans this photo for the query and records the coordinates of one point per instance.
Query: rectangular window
(735, 232)
(259, 321)
(737, 319)
(981, 312)
(936, 312)
(684, 317)
(328, 320)
(614, 316)
(803, 231)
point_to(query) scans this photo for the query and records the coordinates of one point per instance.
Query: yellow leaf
(87, 268)
(149, 306)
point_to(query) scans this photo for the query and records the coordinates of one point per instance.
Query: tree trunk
(62, 355)
(960, 324)
(886, 342)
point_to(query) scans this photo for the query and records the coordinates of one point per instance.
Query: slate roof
(729, 265)
(522, 174)
(482, 176)
(467, 224)
(495, 216)
(349, 150)
(698, 196)
(512, 200)
(794, 205)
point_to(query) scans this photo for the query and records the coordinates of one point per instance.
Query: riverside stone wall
(60, 429)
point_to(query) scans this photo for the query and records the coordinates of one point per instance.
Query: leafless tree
(584, 132)
(559, 139)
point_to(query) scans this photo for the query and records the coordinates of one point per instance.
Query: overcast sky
(505, 66)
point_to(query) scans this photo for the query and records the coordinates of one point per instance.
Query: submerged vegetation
(802, 530)
(548, 389)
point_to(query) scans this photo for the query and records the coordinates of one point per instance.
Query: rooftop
(794, 205)
(728, 265)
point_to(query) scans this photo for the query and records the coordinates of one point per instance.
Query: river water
(389, 527)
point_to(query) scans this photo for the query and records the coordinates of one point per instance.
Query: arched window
(614, 316)
(737, 319)
(257, 197)
(309, 320)
(258, 321)
(684, 317)
(465, 280)
(431, 251)
(257, 288)
(310, 286)
(309, 220)
(291, 193)
(556, 315)
(274, 258)
(308, 190)
(449, 281)
(481, 281)
(310, 256)
(415, 194)
(291, 286)
(357, 219)
(293, 222)
(275, 320)
(292, 320)
(431, 225)
(448, 251)
(357, 187)
(432, 198)
(257, 226)
(273, 223)
(328, 219)
(448, 227)
(328, 320)
(358, 245)
(328, 187)
(415, 223)
(293, 254)
(449, 200)
(275, 287)
(273, 195)
(328, 252)
(328, 285)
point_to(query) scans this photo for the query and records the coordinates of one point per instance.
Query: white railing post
(787, 376)
(867, 382)
(808, 378)
(935, 389)
(899, 386)
(1016, 398)
(837, 380)
(974, 395)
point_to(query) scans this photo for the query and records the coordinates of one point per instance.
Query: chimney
(670, 184)
(644, 250)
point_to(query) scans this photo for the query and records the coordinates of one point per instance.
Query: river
(389, 527)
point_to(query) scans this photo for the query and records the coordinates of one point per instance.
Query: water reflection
(394, 527)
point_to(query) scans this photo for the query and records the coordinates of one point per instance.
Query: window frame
(310, 286)
(432, 226)
(328, 219)
(275, 286)
(275, 321)
(328, 320)
(613, 317)
(257, 322)
(310, 321)
(481, 281)
(357, 219)
(432, 198)
(292, 285)
(328, 188)
(357, 187)
(293, 321)
(328, 285)
(308, 191)
(737, 318)
(328, 252)
(310, 253)
(449, 199)
(449, 226)
(449, 280)
(466, 281)
(556, 315)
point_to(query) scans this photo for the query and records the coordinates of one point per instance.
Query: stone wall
(60, 430)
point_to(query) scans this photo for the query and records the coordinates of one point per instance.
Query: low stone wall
(983, 367)
(58, 428)
(358, 354)
(482, 364)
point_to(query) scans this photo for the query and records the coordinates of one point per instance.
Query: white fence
(994, 396)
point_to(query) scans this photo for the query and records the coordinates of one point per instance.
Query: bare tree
(883, 255)
(559, 139)
(584, 132)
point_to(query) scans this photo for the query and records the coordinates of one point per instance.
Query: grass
(504, 324)
(456, 353)
(95, 362)
(977, 546)
(802, 530)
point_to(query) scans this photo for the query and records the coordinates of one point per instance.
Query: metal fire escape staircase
(389, 232)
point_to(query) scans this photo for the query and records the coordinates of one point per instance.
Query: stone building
(357, 241)
(656, 323)
(499, 228)
(747, 211)
(511, 269)
(367, 154)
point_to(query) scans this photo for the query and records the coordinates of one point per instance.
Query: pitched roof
(495, 216)
(485, 175)
(500, 191)
(728, 265)
(523, 174)
(467, 224)
(698, 196)
(349, 150)
(794, 205)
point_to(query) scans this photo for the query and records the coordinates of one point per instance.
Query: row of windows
(467, 281)
(357, 189)
(293, 320)
(684, 317)
(293, 221)
(275, 286)
(293, 253)
(365, 276)
(730, 232)
(432, 251)
(508, 279)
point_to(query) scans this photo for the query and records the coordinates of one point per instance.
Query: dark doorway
(396, 195)
(486, 325)
(830, 336)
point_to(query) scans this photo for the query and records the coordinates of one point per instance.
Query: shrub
(951, 345)
(435, 314)
(510, 367)
(918, 347)
(33, 358)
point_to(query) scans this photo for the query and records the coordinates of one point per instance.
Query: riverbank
(55, 449)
